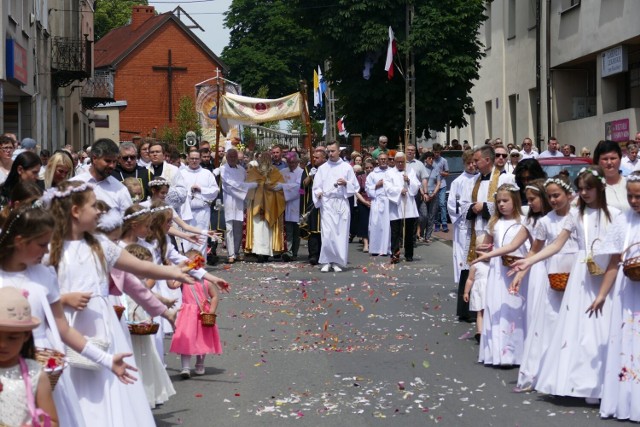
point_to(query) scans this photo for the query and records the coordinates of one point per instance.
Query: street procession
(373, 213)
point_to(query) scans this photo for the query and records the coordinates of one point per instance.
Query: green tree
(447, 54)
(186, 120)
(267, 46)
(110, 14)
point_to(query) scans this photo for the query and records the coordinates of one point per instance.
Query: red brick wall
(146, 90)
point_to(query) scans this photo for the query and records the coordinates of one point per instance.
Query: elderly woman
(608, 155)
(265, 210)
(59, 168)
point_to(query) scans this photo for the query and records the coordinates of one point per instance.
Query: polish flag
(392, 49)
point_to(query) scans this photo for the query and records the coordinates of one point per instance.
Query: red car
(553, 165)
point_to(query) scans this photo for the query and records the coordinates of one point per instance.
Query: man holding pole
(403, 210)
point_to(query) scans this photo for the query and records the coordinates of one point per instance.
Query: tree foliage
(277, 42)
(186, 120)
(110, 14)
(267, 46)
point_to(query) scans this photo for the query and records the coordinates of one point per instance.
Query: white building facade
(563, 68)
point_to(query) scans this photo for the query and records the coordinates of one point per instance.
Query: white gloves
(277, 187)
(313, 171)
(251, 185)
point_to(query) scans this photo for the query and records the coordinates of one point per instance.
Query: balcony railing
(97, 90)
(70, 60)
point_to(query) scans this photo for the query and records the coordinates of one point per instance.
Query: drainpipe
(548, 69)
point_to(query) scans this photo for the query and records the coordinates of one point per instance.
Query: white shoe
(336, 268)
(185, 373)
(325, 268)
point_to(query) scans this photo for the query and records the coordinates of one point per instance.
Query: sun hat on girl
(15, 311)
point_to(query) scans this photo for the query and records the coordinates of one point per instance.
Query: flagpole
(409, 81)
(216, 159)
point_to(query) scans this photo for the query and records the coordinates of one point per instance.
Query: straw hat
(15, 311)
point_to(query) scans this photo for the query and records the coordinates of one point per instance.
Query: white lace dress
(104, 400)
(14, 409)
(42, 284)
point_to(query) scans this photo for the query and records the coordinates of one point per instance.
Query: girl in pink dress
(190, 337)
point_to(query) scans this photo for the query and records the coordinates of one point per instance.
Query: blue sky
(208, 13)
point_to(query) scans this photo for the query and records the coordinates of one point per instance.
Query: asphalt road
(374, 345)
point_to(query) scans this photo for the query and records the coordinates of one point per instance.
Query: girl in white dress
(503, 332)
(547, 300)
(83, 261)
(23, 244)
(621, 388)
(573, 363)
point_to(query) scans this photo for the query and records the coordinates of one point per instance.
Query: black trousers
(462, 310)
(396, 236)
(314, 244)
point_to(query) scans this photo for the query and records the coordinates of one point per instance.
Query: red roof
(116, 45)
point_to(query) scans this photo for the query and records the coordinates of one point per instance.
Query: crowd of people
(547, 268)
(531, 253)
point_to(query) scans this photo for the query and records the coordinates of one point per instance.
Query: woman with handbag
(196, 329)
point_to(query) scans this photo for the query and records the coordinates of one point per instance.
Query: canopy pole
(305, 115)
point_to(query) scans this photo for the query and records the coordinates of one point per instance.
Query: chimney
(140, 14)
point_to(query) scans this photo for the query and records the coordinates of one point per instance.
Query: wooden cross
(170, 69)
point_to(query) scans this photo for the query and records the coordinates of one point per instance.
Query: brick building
(153, 61)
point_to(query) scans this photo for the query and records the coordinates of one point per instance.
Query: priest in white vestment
(234, 191)
(333, 184)
(160, 168)
(403, 210)
(202, 191)
(291, 187)
(378, 187)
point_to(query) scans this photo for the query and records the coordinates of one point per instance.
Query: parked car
(554, 165)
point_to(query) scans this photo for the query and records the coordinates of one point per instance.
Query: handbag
(77, 360)
(206, 319)
(39, 418)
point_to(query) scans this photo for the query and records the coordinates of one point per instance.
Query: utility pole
(410, 82)
(329, 109)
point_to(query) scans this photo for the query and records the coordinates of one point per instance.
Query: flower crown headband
(533, 188)
(633, 178)
(37, 204)
(594, 173)
(160, 209)
(507, 187)
(54, 193)
(559, 183)
(158, 183)
(136, 214)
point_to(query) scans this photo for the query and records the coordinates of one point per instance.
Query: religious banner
(207, 109)
(242, 109)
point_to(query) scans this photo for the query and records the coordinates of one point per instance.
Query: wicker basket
(208, 319)
(144, 328)
(119, 310)
(631, 266)
(558, 281)
(594, 269)
(43, 355)
(508, 260)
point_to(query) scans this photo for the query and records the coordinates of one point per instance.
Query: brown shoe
(231, 260)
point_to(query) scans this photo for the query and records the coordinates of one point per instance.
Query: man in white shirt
(402, 210)
(552, 149)
(527, 150)
(234, 191)
(159, 167)
(630, 162)
(378, 187)
(104, 158)
(203, 190)
(334, 183)
(293, 177)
